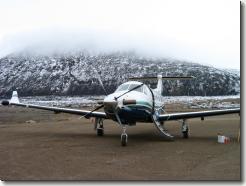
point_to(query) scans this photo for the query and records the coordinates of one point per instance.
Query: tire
(100, 132)
(123, 140)
(186, 134)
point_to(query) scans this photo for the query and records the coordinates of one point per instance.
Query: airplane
(133, 101)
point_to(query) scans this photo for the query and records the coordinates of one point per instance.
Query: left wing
(200, 114)
(15, 101)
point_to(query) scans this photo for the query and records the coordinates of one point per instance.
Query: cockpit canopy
(129, 86)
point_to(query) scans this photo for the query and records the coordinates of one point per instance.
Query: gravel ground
(40, 145)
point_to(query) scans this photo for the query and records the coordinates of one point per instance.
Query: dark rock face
(77, 74)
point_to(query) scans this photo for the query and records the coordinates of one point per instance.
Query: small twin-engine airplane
(132, 102)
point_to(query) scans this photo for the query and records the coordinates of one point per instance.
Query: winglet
(14, 98)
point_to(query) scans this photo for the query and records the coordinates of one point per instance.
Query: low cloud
(54, 40)
(61, 40)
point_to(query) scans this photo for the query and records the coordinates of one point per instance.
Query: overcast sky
(206, 32)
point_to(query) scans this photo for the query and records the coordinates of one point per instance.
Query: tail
(159, 84)
(14, 98)
(160, 78)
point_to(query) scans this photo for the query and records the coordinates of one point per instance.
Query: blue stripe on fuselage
(135, 113)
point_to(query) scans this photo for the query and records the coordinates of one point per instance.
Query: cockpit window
(123, 87)
(128, 86)
(139, 89)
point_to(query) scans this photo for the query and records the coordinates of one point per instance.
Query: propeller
(100, 81)
(126, 102)
(105, 92)
(97, 108)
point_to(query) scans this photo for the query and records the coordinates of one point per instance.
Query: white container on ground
(223, 139)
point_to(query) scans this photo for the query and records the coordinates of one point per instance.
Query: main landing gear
(99, 126)
(185, 129)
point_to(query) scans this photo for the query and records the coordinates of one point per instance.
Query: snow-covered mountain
(77, 74)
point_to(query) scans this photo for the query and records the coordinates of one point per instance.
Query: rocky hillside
(77, 74)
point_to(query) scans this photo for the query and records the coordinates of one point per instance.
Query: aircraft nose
(110, 106)
(110, 103)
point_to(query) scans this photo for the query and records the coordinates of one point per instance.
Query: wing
(15, 101)
(200, 114)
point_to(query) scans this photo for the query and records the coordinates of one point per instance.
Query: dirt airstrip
(40, 145)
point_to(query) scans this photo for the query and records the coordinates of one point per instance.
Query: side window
(145, 89)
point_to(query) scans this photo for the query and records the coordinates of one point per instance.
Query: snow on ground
(206, 101)
(62, 101)
(175, 99)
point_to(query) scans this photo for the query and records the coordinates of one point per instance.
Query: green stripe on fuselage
(144, 103)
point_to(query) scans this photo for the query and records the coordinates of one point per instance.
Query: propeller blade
(97, 108)
(129, 91)
(100, 81)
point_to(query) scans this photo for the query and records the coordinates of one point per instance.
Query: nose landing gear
(124, 135)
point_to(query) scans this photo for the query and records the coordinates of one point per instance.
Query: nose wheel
(100, 132)
(124, 134)
(124, 137)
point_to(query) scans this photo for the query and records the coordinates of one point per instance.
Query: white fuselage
(136, 105)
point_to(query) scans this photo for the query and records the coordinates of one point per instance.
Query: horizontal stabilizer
(163, 77)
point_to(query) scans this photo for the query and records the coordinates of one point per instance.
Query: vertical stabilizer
(14, 98)
(159, 84)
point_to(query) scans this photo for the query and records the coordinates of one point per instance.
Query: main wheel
(100, 132)
(186, 134)
(123, 139)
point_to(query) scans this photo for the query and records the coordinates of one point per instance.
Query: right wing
(15, 101)
(199, 114)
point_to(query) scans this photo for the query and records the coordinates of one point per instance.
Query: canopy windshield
(128, 86)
